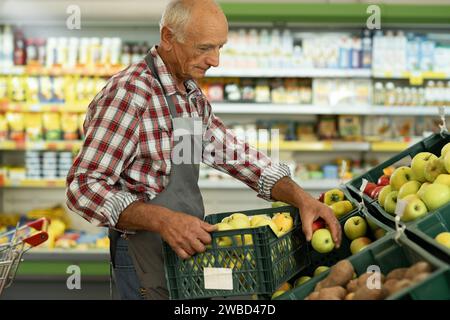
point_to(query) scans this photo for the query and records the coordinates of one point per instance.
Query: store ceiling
(121, 12)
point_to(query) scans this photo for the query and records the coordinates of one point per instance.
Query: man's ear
(167, 38)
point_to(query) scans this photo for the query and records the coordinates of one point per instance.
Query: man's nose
(213, 59)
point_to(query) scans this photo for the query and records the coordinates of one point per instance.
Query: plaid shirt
(126, 154)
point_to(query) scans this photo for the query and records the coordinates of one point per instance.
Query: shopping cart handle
(39, 224)
(36, 239)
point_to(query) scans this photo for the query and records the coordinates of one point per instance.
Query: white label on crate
(218, 278)
(400, 208)
(363, 185)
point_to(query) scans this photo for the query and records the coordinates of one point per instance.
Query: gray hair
(175, 17)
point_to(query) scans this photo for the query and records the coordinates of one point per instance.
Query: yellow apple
(383, 193)
(284, 222)
(435, 196)
(434, 168)
(411, 187)
(322, 241)
(444, 239)
(319, 270)
(301, 281)
(400, 176)
(418, 164)
(443, 179)
(359, 244)
(257, 218)
(390, 203)
(239, 221)
(277, 294)
(341, 208)
(422, 189)
(224, 241)
(414, 209)
(270, 223)
(445, 149)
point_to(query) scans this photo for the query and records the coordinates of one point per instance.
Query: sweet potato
(340, 274)
(419, 267)
(332, 293)
(349, 296)
(364, 293)
(313, 296)
(420, 277)
(352, 285)
(397, 274)
(362, 280)
(394, 285)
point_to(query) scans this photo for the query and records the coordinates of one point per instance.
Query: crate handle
(400, 227)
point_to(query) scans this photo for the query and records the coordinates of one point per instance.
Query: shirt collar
(166, 78)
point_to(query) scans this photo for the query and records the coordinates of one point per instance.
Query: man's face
(200, 49)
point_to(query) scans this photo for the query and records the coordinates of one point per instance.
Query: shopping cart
(19, 240)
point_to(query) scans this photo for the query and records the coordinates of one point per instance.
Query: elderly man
(128, 176)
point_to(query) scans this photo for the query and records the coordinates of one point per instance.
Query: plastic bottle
(389, 98)
(32, 52)
(379, 98)
(366, 56)
(20, 56)
(430, 93)
(8, 47)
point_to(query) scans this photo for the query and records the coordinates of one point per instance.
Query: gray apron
(181, 194)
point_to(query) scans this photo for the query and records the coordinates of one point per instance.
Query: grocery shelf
(273, 108)
(60, 145)
(34, 183)
(290, 73)
(411, 75)
(100, 71)
(43, 107)
(390, 146)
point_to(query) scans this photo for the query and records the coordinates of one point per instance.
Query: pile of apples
(356, 229)
(335, 199)
(424, 186)
(281, 223)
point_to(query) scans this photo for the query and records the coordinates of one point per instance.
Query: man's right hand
(186, 234)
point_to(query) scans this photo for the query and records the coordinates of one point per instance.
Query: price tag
(218, 278)
(363, 186)
(399, 226)
(416, 79)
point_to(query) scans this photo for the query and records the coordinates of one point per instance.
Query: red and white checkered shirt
(126, 155)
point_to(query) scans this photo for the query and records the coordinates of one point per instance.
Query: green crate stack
(317, 259)
(388, 254)
(257, 268)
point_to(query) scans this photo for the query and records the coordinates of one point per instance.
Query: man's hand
(186, 234)
(288, 191)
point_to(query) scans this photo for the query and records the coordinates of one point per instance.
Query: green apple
(443, 179)
(411, 187)
(301, 281)
(379, 233)
(226, 219)
(418, 164)
(277, 294)
(358, 244)
(422, 189)
(444, 239)
(224, 241)
(414, 209)
(383, 193)
(319, 270)
(445, 149)
(322, 241)
(391, 202)
(434, 168)
(355, 227)
(400, 176)
(278, 204)
(435, 196)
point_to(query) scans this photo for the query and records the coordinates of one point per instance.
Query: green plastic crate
(257, 268)
(433, 144)
(317, 259)
(429, 227)
(389, 254)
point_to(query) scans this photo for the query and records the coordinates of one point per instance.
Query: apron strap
(151, 65)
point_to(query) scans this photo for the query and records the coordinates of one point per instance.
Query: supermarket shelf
(44, 107)
(272, 108)
(67, 254)
(390, 146)
(290, 73)
(34, 183)
(100, 71)
(322, 184)
(411, 75)
(62, 145)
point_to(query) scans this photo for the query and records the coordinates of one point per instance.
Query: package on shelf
(69, 123)
(33, 127)
(52, 125)
(341, 91)
(3, 127)
(16, 125)
(350, 127)
(327, 127)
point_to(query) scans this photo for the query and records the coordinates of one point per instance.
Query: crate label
(400, 208)
(218, 278)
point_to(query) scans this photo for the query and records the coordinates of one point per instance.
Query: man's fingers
(198, 246)
(204, 237)
(209, 227)
(307, 229)
(335, 228)
(181, 253)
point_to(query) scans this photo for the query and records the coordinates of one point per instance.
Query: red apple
(383, 180)
(376, 192)
(369, 188)
(318, 224)
(321, 197)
